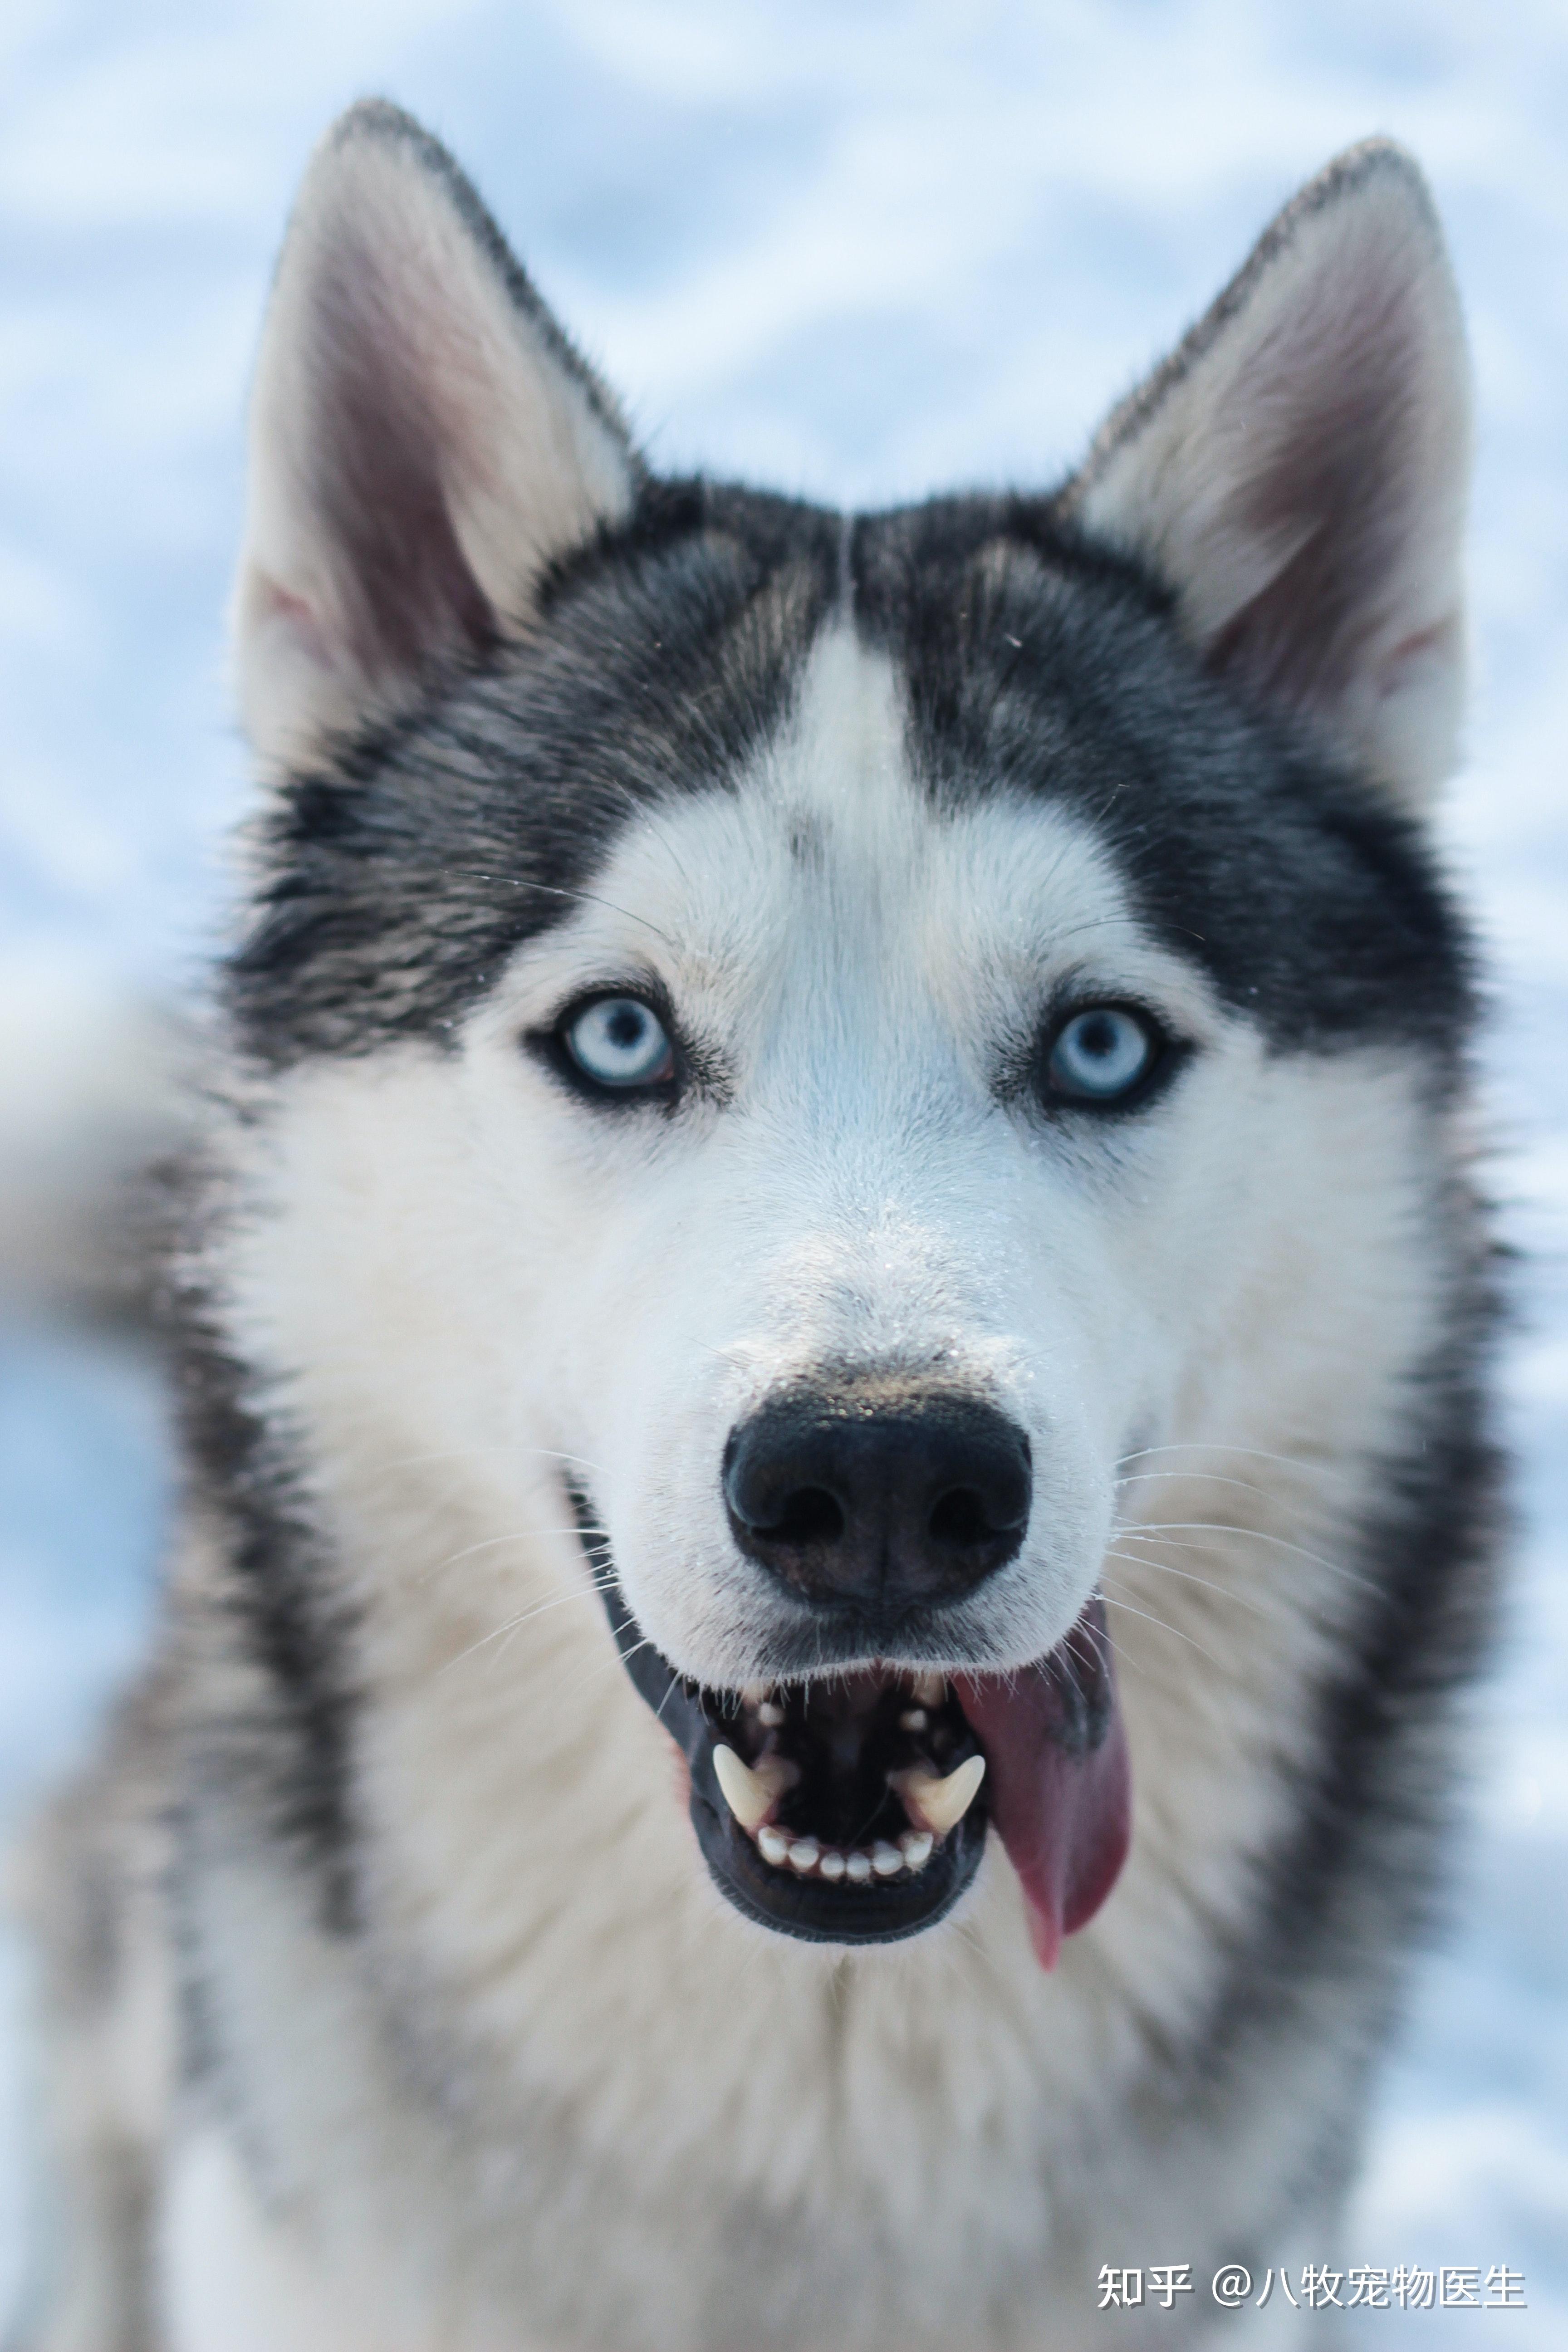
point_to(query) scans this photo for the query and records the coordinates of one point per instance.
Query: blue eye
(1100, 1055)
(620, 1042)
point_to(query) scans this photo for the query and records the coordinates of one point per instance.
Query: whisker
(1318, 1468)
(645, 812)
(626, 1657)
(1111, 1603)
(1149, 1529)
(1136, 1669)
(552, 891)
(1209, 1478)
(514, 1624)
(520, 1535)
(1132, 1560)
(1133, 1665)
(597, 1670)
(473, 1453)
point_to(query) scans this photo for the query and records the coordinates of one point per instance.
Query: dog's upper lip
(1056, 1784)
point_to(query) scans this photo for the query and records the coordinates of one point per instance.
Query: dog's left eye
(620, 1042)
(1101, 1055)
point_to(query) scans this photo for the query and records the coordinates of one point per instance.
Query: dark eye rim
(549, 1046)
(1167, 1056)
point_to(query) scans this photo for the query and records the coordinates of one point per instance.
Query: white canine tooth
(940, 1805)
(928, 1689)
(832, 1863)
(803, 1854)
(886, 1859)
(746, 1793)
(915, 1845)
(754, 1693)
(770, 1714)
(774, 1843)
(913, 1718)
(858, 1866)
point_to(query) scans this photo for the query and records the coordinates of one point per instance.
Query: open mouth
(854, 1808)
(849, 1808)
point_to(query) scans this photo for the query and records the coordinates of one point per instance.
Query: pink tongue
(1056, 1777)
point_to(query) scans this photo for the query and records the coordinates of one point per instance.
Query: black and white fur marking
(391, 2004)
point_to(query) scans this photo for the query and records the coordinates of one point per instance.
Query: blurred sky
(861, 251)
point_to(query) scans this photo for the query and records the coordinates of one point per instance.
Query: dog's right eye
(618, 1043)
(1102, 1056)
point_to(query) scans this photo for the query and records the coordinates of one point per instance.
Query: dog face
(903, 994)
(894, 1085)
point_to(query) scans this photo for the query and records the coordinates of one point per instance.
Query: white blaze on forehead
(822, 901)
(846, 736)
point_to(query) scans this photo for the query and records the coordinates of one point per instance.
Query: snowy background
(861, 251)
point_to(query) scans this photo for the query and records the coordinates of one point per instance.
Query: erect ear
(423, 442)
(1297, 472)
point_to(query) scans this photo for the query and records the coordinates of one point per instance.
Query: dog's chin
(853, 1807)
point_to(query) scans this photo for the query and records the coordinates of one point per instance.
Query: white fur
(464, 1280)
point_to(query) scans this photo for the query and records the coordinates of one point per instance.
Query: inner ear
(1298, 472)
(390, 414)
(424, 443)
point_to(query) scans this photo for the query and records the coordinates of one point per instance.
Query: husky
(832, 1318)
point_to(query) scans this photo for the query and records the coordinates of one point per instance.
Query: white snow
(861, 249)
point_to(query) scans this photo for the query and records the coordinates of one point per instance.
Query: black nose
(861, 1499)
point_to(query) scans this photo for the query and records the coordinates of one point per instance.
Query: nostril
(845, 1495)
(808, 1516)
(960, 1519)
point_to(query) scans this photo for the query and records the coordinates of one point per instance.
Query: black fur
(1040, 664)
(1034, 663)
(402, 877)
(290, 1758)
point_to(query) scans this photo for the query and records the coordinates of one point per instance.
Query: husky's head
(899, 995)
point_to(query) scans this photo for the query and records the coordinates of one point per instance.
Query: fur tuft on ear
(1297, 472)
(424, 442)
